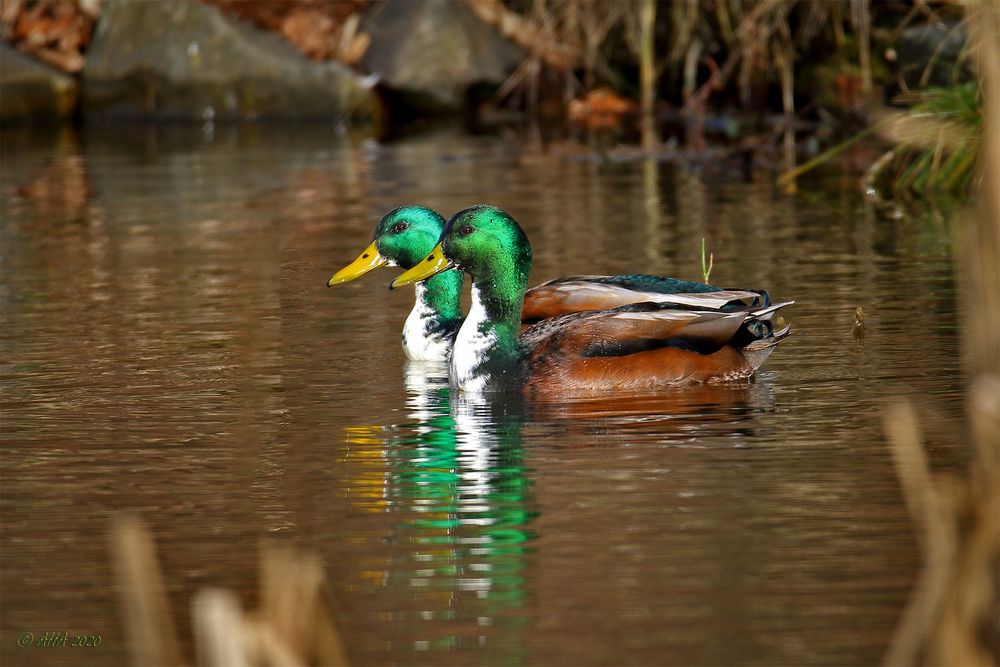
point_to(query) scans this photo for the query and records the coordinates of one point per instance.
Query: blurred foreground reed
(291, 627)
(952, 617)
(954, 613)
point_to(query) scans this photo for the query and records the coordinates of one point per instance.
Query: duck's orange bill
(434, 264)
(368, 260)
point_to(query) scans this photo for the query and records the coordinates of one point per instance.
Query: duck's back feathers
(645, 345)
(588, 293)
(621, 329)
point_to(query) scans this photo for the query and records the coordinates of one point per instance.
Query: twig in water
(706, 269)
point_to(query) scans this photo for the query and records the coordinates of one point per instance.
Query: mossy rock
(186, 60)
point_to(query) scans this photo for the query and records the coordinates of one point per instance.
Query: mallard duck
(632, 346)
(403, 237)
(406, 234)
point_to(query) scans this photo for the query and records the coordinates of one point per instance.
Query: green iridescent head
(406, 234)
(403, 237)
(483, 241)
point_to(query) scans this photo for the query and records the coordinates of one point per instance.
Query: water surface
(169, 348)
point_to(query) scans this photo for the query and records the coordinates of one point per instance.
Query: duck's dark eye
(400, 226)
(465, 230)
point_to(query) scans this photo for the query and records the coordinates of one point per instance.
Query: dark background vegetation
(784, 77)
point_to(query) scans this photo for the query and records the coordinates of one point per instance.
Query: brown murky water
(169, 348)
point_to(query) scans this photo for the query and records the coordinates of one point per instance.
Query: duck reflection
(675, 415)
(455, 475)
(456, 505)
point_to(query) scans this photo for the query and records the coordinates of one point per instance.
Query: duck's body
(406, 234)
(636, 346)
(646, 345)
(433, 324)
(624, 339)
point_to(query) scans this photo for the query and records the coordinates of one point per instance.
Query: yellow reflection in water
(367, 487)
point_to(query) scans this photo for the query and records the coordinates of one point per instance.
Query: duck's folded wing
(587, 293)
(641, 282)
(635, 328)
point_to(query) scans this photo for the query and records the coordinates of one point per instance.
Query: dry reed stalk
(863, 22)
(725, 22)
(647, 72)
(596, 20)
(145, 608)
(784, 54)
(220, 635)
(905, 129)
(529, 35)
(292, 605)
(293, 627)
(936, 533)
(983, 246)
(685, 18)
(690, 68)
(955, 600)
(748, 37)
(953, 617)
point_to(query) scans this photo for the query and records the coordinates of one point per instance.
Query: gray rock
(430, 52)
(186, 60)
(32, 91)
(939, 46)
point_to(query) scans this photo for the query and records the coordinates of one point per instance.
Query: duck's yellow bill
(434, 264)
(368, 260)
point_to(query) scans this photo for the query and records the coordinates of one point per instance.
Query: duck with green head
(406, 234)
(403, 236)
(632, 345)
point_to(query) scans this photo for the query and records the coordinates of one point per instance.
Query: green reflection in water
(456, 476)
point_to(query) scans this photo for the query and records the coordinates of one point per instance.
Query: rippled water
(169, 348)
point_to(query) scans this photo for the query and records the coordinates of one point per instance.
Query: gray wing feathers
(768, 313)
(611, 296)
(715, 328)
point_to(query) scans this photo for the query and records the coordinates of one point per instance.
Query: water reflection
(453, 482)
(455, 476)
(674, 416)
